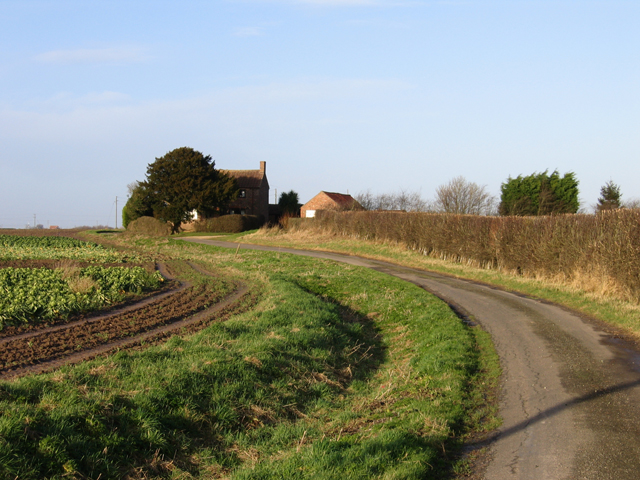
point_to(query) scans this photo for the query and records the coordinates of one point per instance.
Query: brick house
(253, 196)
(329, 201)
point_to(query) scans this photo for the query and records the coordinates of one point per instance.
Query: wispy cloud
(66, 101)
(247, 32)
(377, 23)
(98, 115)
(117, 55)
(304, 90)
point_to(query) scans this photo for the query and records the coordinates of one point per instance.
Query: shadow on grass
(369, 352)
(158, 409)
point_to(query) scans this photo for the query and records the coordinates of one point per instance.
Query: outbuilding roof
(343, 200)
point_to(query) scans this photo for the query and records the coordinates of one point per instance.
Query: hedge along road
(570, 399)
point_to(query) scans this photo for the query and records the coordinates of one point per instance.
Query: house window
(242, 194)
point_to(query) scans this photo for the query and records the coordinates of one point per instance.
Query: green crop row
(33, 295)
(50, 242)
(56, 248)
(119, 279)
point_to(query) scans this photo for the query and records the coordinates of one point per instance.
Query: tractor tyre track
(186, 307)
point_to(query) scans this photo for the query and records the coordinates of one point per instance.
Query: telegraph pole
(116, 212)
(34, 220)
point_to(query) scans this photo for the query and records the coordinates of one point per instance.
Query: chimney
(263, 167)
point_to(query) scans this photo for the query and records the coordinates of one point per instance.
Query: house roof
(339, 200)
(344, 200)
(247, 178)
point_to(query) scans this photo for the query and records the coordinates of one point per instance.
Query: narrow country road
(570, 391)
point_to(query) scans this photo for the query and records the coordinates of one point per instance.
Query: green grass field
(332, 371)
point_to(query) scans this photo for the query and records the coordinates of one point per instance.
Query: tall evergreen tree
(539, 194)
(610, 197)
(138, 205)
(289, 203)
(183, 181)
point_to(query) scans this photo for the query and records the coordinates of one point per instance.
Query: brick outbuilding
(329, 201)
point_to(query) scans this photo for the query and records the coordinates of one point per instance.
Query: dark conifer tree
(183, 181)
(539, 194)
(610, 197)
(289, 203)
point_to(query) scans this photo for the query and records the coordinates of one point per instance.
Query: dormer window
(242, 194)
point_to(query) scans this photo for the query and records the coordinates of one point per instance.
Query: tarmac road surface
(570, 399)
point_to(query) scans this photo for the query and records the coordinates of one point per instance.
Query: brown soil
(41, 232)
(45, 347)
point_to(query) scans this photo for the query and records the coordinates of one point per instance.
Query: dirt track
(43, 348)
(571, 386)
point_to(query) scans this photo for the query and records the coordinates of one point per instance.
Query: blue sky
(336, 95)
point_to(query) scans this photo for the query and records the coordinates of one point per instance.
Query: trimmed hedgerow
(601, 246)
(230, 223)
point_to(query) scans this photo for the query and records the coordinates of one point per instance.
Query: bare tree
(366, 199)
(464, 197)
(131, 187)
(411, 202)
(403, 200)
(632, 203)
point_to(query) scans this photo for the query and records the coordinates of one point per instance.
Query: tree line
(184, 182)
(541, 193)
